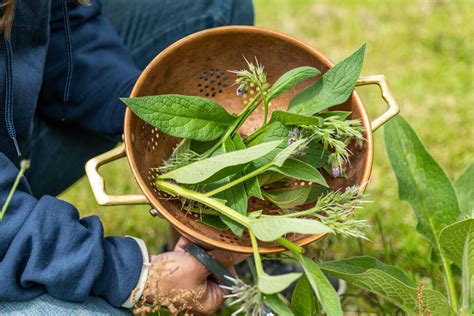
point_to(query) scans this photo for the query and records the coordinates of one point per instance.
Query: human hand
(180, 282)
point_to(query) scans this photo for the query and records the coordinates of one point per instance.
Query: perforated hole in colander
(212, 82)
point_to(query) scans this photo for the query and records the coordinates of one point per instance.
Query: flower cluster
(249, 78)
(249, 296)
(336, 134)
(336, 210)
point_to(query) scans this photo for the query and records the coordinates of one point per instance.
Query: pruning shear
(221, 273)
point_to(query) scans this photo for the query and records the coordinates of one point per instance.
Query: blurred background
(425, 49)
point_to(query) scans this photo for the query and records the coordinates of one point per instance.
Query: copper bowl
(197, 65)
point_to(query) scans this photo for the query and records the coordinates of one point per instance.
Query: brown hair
(6, 19)
(8, 13)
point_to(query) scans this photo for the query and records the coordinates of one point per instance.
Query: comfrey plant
(214, 171)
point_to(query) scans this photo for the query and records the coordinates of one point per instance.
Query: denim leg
(149, 26)
(45, 305)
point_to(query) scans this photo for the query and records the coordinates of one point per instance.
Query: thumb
(211, 300)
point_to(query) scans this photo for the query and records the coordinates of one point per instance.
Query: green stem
(201, 198)
(450, 287)
(296, 214)
(237, 124)
(294, 248)
(256, 254)
(244, 178)
(203, 212)
(24, 165)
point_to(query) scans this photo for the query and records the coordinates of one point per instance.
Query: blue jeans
(146, 27)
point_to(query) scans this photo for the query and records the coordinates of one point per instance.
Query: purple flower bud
(335, 171)
(239, 92)
(291, 141)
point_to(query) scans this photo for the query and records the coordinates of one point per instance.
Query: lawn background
(424, 48)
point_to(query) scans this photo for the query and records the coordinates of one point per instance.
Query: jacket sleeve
(46, 247)
(87, 70)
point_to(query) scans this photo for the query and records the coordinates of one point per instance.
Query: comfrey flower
(249, 296)
(336, 210)
(254, 76)
(335, 134)
(295, 135)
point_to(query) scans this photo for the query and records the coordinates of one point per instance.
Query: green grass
(425, 49)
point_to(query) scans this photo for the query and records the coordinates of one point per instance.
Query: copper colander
(197, 65)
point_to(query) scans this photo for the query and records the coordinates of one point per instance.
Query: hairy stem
(294, 248)
(238, 123)
(256, 254)
(201, 198)
(24, 165)
(244, 178)
(449, 281)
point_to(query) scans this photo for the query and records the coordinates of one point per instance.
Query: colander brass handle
(393, 108)
(97, 182)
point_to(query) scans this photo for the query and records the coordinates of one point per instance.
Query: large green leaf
(457, 244)
(213, 221)
(272, 131)
(323, 289)
(290, 79)
(289, 118)
(252, 186)
(273, 227)
(421, 181)
(302, 299)
(286, 153)
(277, 303)
(236, 196)
(271, 284)
(220, 166)
(295, 168)
(182, 116)
(464, 186)
(454, 238)
(342, 115)
(286, 198)
(334, 87)
(387, 281)
(315, 155)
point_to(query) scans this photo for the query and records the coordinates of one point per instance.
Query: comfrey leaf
(273, 227)
(252, 186)
(182, 116)
(271, 284)
(302, 299)
(421, 181)
(297, 169)
(388, 282)
(290, 79)
(464, 187)
(235, 196)
(213, 221)
(342, 115)
(286, 198)
(334, 87)
(295, 119)
(218, 167)
(286, 153)
(323, 289)
(278, 305)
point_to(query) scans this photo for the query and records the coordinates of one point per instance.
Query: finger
(181, 244)
(227, 258)
(232, 271)
(212, 299)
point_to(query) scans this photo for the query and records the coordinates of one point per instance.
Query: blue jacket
(65, 63)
